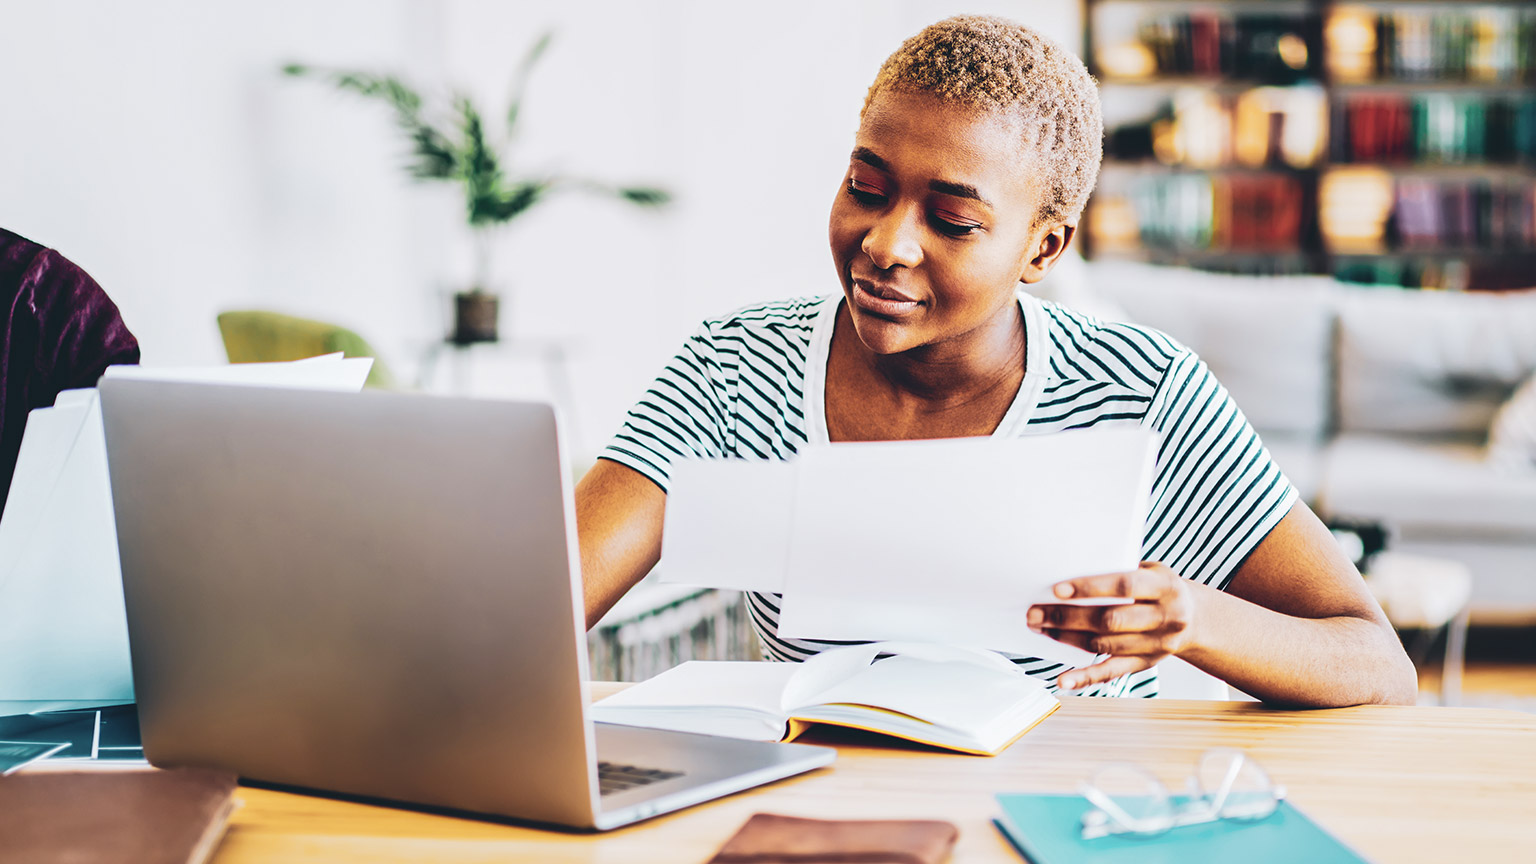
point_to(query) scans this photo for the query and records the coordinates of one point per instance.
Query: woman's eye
(955, 229)
(864, 194)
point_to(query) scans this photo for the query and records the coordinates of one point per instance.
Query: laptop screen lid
(352, 592)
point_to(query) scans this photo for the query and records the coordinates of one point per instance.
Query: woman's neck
(946, 375)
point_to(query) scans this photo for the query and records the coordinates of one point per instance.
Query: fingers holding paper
(1153, 620)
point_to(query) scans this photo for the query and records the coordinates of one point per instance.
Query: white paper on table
(63, 632)
(727, 524)
(951, 541)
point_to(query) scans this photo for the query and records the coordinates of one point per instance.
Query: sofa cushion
(1430, 363)
(1301, 458)
(1070, 284)
(1268, 339)
(1429, 488)
(1512, 437)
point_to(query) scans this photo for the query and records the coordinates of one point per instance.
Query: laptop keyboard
(613, 778)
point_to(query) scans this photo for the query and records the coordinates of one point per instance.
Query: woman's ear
(1047, 253)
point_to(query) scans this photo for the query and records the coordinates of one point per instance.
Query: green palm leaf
(645, 196)
(465, 153)
(434, 156)
(520, 81)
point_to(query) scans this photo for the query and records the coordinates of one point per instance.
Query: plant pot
(474, 317)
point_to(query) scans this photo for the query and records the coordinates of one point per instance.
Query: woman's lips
(882, 299)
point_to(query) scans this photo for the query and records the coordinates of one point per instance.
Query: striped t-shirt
(752, 385)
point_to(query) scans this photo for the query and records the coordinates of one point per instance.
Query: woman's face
(933, 228)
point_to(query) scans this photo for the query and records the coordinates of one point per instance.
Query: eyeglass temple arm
(1115, 812)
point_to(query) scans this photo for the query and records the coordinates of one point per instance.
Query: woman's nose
(894, 240)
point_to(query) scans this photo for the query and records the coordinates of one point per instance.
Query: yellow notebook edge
(798, 726)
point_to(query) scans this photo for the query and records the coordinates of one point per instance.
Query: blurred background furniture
(1376, 402)
(257, 336)
(514, 367)
(1428, 595)
(1380, 142)
(656, 626)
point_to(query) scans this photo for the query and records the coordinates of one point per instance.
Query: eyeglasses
(1127, 799)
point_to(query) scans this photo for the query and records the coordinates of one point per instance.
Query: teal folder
(1046, 829)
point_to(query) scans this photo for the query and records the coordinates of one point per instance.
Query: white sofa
(1375, 401)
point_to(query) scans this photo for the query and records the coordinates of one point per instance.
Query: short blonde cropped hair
(1000, 65)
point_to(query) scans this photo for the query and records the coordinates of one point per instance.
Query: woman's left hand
(1158, 624)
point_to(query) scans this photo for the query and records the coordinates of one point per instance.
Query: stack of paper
(63, 636)
(942, 541)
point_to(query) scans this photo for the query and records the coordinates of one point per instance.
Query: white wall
(156, 145)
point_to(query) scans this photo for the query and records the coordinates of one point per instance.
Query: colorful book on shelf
(1047, 829)
(963, 699)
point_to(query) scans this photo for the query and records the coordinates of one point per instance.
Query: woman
(977, 147)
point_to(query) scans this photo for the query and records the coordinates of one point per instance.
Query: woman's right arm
(618, 525)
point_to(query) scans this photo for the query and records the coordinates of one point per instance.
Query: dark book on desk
(85, 817)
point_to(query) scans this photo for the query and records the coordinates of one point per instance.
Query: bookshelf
(1381, 142)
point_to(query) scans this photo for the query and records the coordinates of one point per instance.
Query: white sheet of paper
(996, 627)
(727, 524)
(63, 633)
(326, 372)
(951, 541)
(62, 628)
(47, 440)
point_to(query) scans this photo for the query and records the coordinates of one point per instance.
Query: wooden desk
(1399, 784)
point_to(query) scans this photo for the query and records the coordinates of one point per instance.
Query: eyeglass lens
(1141, 799)
(1234, 786)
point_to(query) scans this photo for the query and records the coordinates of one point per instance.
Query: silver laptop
(377, 595)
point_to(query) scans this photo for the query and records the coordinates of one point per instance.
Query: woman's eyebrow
(868, 157)
(943, 187)
(959, 190)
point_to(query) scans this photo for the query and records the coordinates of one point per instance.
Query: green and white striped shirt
(752, 385)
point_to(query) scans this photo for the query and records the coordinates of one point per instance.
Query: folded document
(941, 541)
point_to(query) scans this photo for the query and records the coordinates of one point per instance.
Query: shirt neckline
(1014, 420)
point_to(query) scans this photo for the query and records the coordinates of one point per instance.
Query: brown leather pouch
(770, 839)
(105, 817)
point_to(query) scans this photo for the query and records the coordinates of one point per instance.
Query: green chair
(254, 336)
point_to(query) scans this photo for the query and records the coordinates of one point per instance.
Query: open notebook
(963, 699)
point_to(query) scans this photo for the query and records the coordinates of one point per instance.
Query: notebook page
(750, 684)
(957, 695)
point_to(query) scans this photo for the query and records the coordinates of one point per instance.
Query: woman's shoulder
(791, 312)
(1084, 346)
(782, 328)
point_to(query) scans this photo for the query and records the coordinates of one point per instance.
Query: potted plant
(462, 151)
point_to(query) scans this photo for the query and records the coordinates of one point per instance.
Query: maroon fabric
(58, 331)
